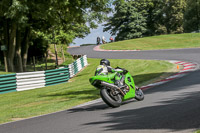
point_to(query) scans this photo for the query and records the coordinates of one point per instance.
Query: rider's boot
(119, 84)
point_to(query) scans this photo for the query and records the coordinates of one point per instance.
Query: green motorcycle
(112, 94)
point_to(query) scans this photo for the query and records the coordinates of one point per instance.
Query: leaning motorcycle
(114, 95)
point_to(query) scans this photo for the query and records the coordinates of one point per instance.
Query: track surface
(170, 107)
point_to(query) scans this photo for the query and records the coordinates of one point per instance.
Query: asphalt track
(170, 107)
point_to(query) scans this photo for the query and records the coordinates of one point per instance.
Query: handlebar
(124, 70)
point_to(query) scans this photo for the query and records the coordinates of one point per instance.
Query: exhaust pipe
(112, 86)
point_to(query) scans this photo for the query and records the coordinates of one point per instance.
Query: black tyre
(139, 95)
(110, 99)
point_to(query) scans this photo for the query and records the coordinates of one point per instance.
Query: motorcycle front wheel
(139, 95)
(110, 99)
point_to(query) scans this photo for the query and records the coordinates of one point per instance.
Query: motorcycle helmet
(105, 61)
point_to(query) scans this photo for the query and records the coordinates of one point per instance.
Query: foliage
(155, 23)
(134, 19)
(38, 46)
(129, 20)
(61, 21)
(173, 12)
(192, 16)
(56, 21)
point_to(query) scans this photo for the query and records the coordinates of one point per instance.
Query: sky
(92, 37)
(94, 33)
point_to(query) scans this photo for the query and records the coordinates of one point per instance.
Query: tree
(128, 21)
(192, 16)
(21, 19)
(155, 23)
(133, 19)
(165, 16)
(173, 12)
(11, 12)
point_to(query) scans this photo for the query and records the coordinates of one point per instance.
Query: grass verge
(2, 73)
(25, 104)
(172, 41)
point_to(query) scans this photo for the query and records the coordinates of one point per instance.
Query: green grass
(20, 105)
(2, 73)
(172, 41)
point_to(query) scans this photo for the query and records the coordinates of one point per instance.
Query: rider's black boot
(119, 84)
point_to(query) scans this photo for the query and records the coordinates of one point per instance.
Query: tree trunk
(63, 53)
(18, 58)
(198, 17)
(11, 47)
(56, 55)
(25, 46)
(6, 41)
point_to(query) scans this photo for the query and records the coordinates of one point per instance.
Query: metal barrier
(56, 76)
(7, 83)
(77, 65)
(32, 80)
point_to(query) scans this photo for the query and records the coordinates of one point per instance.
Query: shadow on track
(173, 114)
(176, 113)
(99, 107)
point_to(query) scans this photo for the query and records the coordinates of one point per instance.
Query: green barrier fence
(32, 80)
(56, 76)
(75, 67)
(8, 83)
(82, 62)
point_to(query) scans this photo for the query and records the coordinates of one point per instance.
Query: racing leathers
(104, 70)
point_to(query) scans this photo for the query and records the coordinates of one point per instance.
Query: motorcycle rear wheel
(109, 99)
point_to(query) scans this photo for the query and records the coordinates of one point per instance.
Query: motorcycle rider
(104, 68)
